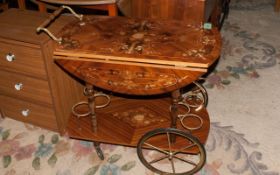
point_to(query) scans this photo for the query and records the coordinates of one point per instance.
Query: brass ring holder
(74, 111)
(185, 116)
(197, 107)
(98, 94)
(195, 94)
(186, 106)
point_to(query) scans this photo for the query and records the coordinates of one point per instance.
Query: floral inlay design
(139, 117)
(129, 79)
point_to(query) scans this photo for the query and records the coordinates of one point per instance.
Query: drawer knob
(18, 86)
(10, 57)
(25, 112)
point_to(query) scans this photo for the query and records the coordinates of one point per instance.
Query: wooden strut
(176, 97)
(89, 92)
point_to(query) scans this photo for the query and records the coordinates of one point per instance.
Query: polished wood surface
(277, 6)
(65, 90)
(129, 79)
(43, 92)
(33, 89)
(139, 57)
(20, 25)
(126, 120)
(38, 115)
(150, 41)
(80, 2)
(26, 56)
(107, 5)
(191, 11)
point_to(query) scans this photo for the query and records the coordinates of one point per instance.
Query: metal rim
(203, 91)
(171, 154)
(100, 94)
(194, 93)
(77, 113)
(184, 117)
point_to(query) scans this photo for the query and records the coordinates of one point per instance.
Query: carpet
(243, 107)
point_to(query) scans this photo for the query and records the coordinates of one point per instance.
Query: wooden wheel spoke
(159, 159)
(187, 147)
(156, 148)
(187, 161)
(169, 142)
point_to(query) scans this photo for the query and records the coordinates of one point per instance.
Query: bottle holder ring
(98, 94)
(185, 105)
(186, 116)
(196, 97)
(78, 114)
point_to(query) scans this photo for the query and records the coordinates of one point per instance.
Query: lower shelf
(125, 121)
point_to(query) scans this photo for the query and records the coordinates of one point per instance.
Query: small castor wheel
(171, 151)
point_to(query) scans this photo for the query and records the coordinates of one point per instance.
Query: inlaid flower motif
(82, 148)
(44, 150)
(25, 152)
(8, 147)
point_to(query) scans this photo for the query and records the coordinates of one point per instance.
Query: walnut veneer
(32, 88)
(191, 11)
(143, 59)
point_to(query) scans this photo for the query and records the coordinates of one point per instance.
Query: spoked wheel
(185, 156)
(98, 150)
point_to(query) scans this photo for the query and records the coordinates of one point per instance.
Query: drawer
(28, 112)
(24, 87)
(22, 59)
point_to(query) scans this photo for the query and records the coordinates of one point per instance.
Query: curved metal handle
(42, 27)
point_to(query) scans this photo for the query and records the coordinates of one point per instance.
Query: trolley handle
(56, 13)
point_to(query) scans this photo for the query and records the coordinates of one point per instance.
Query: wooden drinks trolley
(141, 86)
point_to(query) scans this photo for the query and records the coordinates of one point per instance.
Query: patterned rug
(243, 106)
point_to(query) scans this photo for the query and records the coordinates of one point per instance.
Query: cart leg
(90, 95)
(176, 95)
(98, 150)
